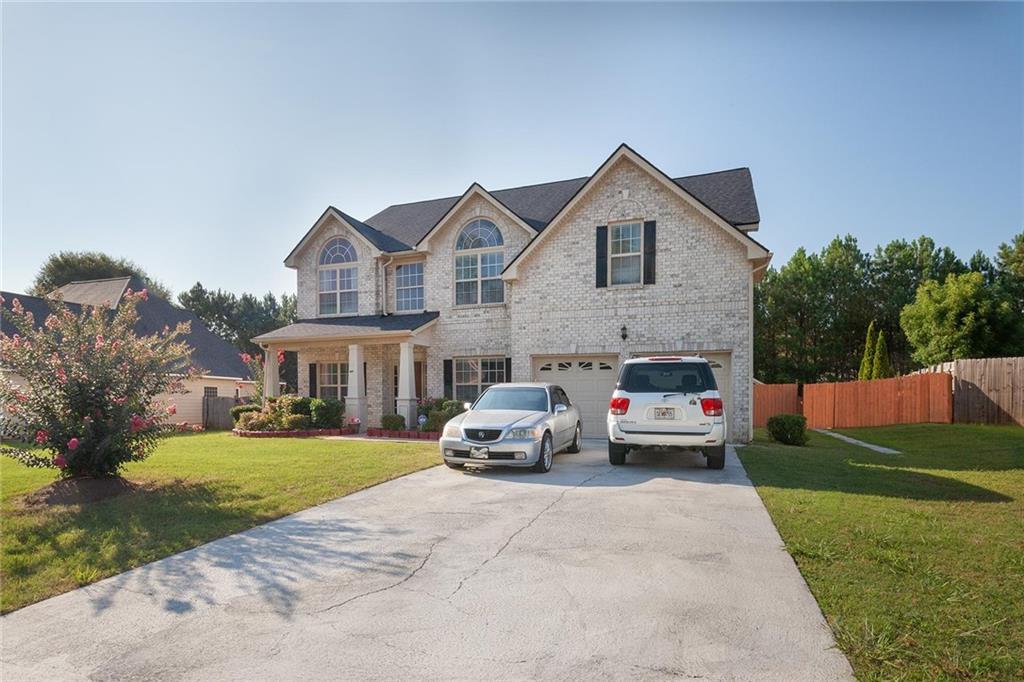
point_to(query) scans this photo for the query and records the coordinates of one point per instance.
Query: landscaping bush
(294, 422)
(453, 407)
(393, 422)
(428, 405)
(302, 406)
(238, 410)
(257, 421)
(436, 421)
(790, 429)
(326, 413)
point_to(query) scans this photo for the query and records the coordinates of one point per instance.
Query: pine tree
(867, 361)
(882, 367)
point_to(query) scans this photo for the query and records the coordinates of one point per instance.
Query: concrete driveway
(661, 568)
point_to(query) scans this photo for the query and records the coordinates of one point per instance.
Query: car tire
(577, 440)
(454, 465)
(616, 454)
(716, 457)
(547, 455)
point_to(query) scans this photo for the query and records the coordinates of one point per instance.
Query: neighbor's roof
(728, 193)
(337, 327)
(214, 355)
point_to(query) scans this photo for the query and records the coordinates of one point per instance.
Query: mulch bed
(78, 491)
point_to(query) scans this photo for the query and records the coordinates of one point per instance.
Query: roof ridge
(100, 279)
(717, 172)
(489, 191)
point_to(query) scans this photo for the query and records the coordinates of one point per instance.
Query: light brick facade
(701, 300)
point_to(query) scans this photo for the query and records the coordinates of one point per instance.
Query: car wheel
(616, 454)
(547, 454)
(577, 440)
(454, 465)
(716, 457)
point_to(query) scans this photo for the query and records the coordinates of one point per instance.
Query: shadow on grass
(951, 447)
(268, 561)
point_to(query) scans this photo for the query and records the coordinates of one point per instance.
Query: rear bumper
(713, 438)
(457, 450)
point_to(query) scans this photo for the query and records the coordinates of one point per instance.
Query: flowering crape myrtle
(83, 386)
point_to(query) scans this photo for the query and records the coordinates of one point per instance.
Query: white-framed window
(625, 262)
(409, 286)
(332, 380)
(338, 284)
(473, 375)
(209, 391)
(479, 260)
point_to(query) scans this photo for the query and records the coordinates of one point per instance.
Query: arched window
(479, 260)
(338, 281)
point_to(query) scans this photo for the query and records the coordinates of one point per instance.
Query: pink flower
(99, 340)
(73, 444)
(116, 344)
(41, 436)
(137, 423)
(144, 294)
(21, 397)
(246, 358)
(60, 462)
(172, 409)
(51, 321)
(16, 306)
(280, 357)
(62, 376)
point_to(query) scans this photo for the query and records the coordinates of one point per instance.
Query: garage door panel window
(473, 375)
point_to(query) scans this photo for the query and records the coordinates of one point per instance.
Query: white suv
(669, 401)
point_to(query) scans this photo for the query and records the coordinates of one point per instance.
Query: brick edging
(305, 433)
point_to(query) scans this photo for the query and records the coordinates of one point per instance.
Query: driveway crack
(519, 530)
(407, 578)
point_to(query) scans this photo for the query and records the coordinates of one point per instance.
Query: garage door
(588, 380)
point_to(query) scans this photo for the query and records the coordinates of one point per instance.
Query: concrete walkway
(853, 441)
(657, 569)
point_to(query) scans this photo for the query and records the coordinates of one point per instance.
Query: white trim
(474, 190)
(330, 212)
(754, 250)
(640, 253)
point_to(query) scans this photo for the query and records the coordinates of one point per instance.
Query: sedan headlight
(452, 431)
(532, 433)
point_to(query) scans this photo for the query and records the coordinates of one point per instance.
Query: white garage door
(588, 380)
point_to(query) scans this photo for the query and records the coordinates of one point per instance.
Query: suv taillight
(618, 405)
(712, 407)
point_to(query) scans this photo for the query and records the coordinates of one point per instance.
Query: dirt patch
(78, 491)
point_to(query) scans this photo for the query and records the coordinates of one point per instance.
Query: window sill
(470, 306)
(631, 285)
(327, 317)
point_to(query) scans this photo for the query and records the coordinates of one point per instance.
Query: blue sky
(203, 140)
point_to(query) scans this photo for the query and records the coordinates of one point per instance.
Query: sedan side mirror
(560, 408)
(466, 406)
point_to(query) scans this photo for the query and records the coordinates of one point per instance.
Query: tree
(961, 318)
(89, 386)
(881, 367)
(867, 361)
(237, 319)
(71, 266)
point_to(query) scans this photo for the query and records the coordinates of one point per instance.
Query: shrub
(436, 421)
(90, 385)
(326, 413)
(453, 407)
(302, 406)
(238, 410)
(294, 422)
(428, 405)
(790, 429)
(256, 421)
(393, 422)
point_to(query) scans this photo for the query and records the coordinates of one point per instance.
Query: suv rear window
(667, 377)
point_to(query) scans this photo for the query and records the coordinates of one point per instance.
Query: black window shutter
(650, 241)
(365, 384)
(508, 369)
(312, 380)
(601, 253)
(448, 392)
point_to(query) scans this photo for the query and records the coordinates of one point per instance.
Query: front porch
(376, 364)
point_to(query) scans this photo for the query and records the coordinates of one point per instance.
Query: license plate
(664, 413)
(478, 453)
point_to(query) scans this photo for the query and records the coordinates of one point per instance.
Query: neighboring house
(224, 373)
(558, 282)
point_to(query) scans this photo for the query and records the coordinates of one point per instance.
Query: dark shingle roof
(361, 325)
(382, 241)
(214, 355)
(729, 193)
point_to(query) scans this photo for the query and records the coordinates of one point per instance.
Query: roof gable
(373, 238)
(475, 190)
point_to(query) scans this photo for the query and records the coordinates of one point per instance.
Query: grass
(917, 559)
(202, 487)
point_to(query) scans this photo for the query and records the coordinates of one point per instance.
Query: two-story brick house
(553, 282)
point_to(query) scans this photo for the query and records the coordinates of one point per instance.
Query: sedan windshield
(531, 399)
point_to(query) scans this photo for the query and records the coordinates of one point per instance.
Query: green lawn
(203, 486)
(917, 559)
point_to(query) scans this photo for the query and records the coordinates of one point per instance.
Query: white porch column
(406, 401)
(355, 399)
(271, 374)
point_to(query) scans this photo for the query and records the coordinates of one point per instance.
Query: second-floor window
(479, 260)
(338, 278)
(624, 254)
(409, 287)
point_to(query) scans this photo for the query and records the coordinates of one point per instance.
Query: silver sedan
(520, 425)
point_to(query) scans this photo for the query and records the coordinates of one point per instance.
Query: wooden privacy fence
(773, 399)
(903, 400)
(217, 412)
(986, 390)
